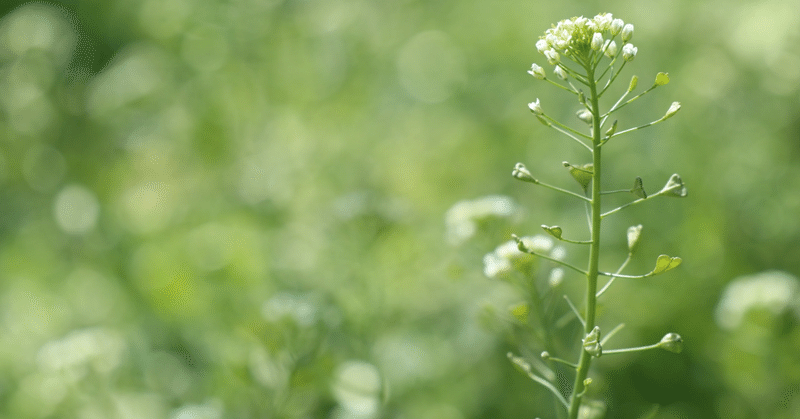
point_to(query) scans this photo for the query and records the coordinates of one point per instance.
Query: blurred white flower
(506, 256)
(461, 220)
(775, 291)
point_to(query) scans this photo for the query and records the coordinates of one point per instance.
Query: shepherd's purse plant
(586, 56)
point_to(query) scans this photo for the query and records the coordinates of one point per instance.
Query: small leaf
(520, 312)
(665, 263)
(638, 190)
(554, 231)
(662, 79)
(582, 174)
(675, 187)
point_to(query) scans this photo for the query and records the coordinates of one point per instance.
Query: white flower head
(629, 52)
(627, 32)
(611, 49)
(537, 71)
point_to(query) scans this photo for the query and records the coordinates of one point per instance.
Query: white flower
(560, 72)
(611, 49)
(629, 52)
(552, 56)
(597, 41)
(627, 32)
(542, 46)
(537, 71)
(461, 220)
(535, 107)
(616, 26)
(773, 292)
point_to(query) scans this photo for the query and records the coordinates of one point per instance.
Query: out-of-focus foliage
(236, 209)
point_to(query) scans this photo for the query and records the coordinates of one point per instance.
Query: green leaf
(581, 174)
(675, 187)
(638, 190)
(520, 312)
(662, 79)
(554, 231)
(666, 263)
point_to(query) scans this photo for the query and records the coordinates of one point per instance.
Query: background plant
(260, 187)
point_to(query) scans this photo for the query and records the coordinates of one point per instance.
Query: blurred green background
(236, 208)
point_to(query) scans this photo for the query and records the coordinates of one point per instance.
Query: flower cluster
(580, 37)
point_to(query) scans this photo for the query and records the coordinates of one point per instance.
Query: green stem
(585, 361)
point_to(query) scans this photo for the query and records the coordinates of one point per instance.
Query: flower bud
(616, 26)
(535, 107)
(611, 49)
(584, 115)
(522, 173)
(597, 41)
(537, 71)
(560, 72)
(634, 235)
(673, 109)
(627, 32)
(629, 52)
(552, 56)
(671, 342)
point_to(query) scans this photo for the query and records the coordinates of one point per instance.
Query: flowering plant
(586, 54)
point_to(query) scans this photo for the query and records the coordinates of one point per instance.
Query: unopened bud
(634, 235)
(671, 342)
(521, 172)
(629, 52)
(537, 71)
(627, 32)
(597, 41)
(673, 109)
(616, 26)
(584, 115)
(611, 49)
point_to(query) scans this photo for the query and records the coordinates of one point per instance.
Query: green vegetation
(250, 209)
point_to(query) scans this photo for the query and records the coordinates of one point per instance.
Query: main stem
(594, 252)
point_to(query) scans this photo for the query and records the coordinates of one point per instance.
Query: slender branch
(610, 281)
(522, 364)
(575, 310)
(636, 349)
(556, 188)
(611, 333)
(523, 248)
(649, 197)
(568, 134)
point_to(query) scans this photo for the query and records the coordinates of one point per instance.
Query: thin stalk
(585, 360)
